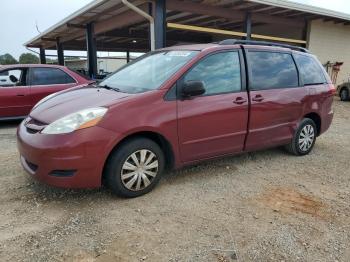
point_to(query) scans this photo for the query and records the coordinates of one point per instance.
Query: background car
(22, 86)
(344, 91)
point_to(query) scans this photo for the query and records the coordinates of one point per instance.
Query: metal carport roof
(118, 28)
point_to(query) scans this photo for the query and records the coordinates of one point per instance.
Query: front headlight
(83, 119)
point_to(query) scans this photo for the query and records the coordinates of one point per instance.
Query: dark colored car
(22, 86)
(174, 107)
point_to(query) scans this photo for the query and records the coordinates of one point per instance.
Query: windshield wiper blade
(109, 87)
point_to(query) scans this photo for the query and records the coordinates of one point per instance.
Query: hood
(65, 103)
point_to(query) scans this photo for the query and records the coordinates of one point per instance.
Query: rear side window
(219, 72)
(271, 70)
(50, 76)
(310, 70)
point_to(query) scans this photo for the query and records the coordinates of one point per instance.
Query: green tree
(28, 58)
(7, 59)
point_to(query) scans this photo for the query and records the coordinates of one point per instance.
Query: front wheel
(135, 167)
(304, 138)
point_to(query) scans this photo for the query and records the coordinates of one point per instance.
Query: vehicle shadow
(6, 124)
(220, 166)
(201, 171)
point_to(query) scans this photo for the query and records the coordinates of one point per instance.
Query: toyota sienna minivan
(174, 107)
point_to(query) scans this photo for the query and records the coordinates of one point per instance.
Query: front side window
(271, 70)
(50, 76)
(310, 71)
(220, 73)
(148, 72)
(13, 77)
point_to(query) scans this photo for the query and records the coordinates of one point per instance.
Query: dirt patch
(290, 201)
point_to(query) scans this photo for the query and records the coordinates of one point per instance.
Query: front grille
(34, 126)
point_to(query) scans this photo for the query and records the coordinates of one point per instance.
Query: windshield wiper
(109, 87)
(314, 84)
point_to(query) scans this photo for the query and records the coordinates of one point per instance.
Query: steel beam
(128, 56)
(91, 50)
(140, 46)
(48, 39)
(143, 35)
(60, 52)
(306, 33)
(232, 33)
(76, 26)
(160, 23)
(205, 9)
(122, 20)
(248, 26)
(42, 56)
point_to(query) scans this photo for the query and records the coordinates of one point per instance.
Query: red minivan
(22, 86)
(174, 107)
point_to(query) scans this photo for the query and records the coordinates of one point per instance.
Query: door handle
(258, 98)
(239, 100)
(19, 95)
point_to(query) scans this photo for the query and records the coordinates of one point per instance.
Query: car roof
(2, 67)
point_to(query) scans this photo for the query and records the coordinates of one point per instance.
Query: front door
(276, 98)
(214, 123)
(14, 93)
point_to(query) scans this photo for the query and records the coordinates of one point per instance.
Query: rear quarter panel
(320, 101)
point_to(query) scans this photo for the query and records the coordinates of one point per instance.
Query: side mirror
(13, 79)
(193, 88)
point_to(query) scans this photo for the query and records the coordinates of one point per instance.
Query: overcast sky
(19, 18)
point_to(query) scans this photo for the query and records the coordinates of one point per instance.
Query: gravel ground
(262, 206)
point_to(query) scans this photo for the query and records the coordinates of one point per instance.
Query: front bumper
(74, 160)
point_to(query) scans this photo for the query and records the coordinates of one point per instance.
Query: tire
(306, 128)
(344, 94)
(134, 168)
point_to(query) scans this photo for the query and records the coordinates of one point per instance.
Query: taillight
(332, 90)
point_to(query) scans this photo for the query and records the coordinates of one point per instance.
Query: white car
(5, 79)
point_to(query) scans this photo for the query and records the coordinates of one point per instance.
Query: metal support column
(248, 26)
(159, 15)
(306, 33)
(42, 56)
(91, 50)
(60, 52)
(128, 56)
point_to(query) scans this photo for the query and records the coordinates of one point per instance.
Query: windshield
(149, 72)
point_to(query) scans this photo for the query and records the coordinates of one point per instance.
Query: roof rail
(265, 43)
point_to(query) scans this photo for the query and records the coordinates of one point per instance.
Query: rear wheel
(135, 167)
(304, 138)
(344, 94)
